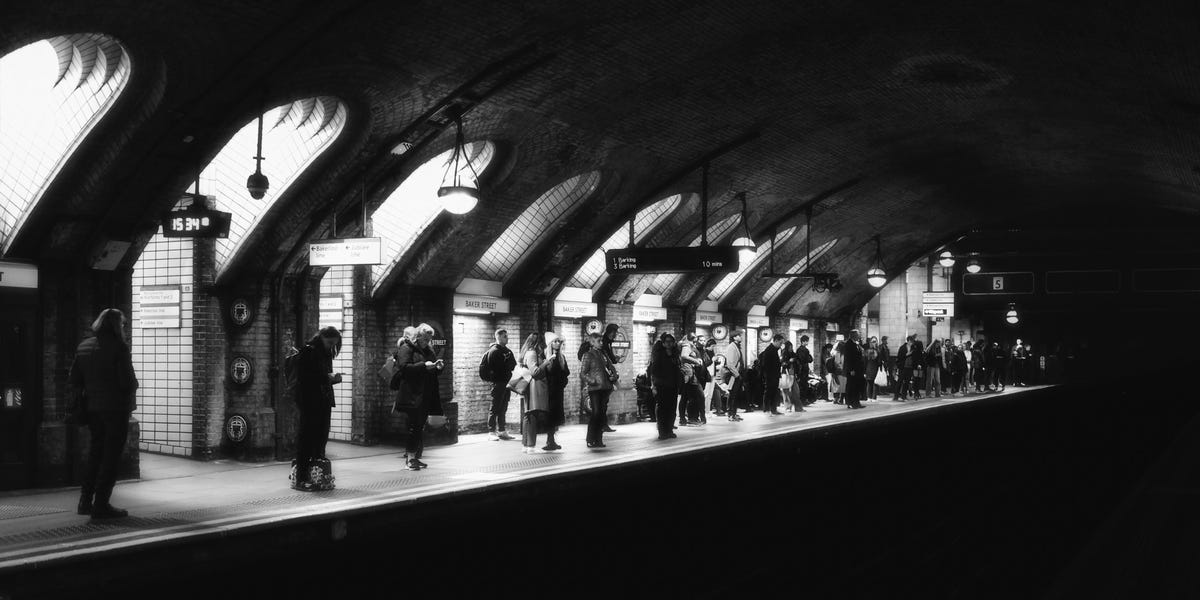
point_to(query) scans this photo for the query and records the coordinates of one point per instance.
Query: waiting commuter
(854, 367)
(872, 356)
(770, 367)
(314, 401)
(734, 373)
(968, 357)
(720, 389)
(501, 362)
(105, 386)
(666, 377)
(787, 381)
(886, 361)
(418, 390)
(979, 354)
(1020, 358)
(598, 374)
(833, 372)
(556, 379)
(535, 404)
(933, 366)
(711, 375)
(997, 358)
(691, 395)
(905, 367)
(957, 360)
(804, 360)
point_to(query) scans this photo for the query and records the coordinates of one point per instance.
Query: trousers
(664, 401)
(599, 418)
(311, 436)
(108, 430)
(499, 407)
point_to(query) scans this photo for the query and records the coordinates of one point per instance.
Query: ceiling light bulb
(973, 266)
(876, 277)
(946, 259)
(746, 250)
(458, 199)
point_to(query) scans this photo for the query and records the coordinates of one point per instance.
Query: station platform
(188, 508)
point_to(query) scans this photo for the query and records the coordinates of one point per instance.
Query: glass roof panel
(763, 253)
(539, 220)
(644, 221)
(664, 282)
(52, 93)
(409, 209)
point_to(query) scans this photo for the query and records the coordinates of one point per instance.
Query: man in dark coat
(770, 368)
(854, 365)
(501, 362)
(904, 369)
(804, 358)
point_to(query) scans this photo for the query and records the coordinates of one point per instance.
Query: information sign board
(1008, 283)
(350, 251)
(689, 259)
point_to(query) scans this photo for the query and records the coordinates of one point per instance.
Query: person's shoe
(108, 511)
(85, 506)
(420, 465)
(735, 418)
(412, 465)
(596, 445)
(493, 437)
(673, 436)
(504, 436)
(550, 447)
(663, 436)
(608, 429)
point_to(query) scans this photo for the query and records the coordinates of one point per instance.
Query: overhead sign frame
(685, 259)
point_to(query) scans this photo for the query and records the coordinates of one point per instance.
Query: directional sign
(352, 251)
(937, 311)
(692, 259)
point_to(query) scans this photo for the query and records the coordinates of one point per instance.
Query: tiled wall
(340, 280)
(162, 358)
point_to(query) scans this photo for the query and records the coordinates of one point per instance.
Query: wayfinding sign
(690, 259)
(937, 304)
(350, 251)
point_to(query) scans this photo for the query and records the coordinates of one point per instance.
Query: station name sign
(691, 259)
(568, 309)
(480, 304)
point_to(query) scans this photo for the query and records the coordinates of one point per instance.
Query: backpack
(485, 367)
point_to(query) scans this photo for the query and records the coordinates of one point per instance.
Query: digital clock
(197, 223)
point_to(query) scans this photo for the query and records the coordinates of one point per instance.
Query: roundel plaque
(240, 311)
(594, 326)
(720, 332)
(765, 334)
(237, 428)
(241, 370)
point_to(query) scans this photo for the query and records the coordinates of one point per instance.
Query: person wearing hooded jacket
(418, 394)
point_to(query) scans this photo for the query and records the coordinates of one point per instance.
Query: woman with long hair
(105, 385)
(535, 404)
(314, 401)
(557, 371)
(787, 382)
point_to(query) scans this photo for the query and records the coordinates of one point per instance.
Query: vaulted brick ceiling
(918, 122)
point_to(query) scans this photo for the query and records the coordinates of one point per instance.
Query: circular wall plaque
(237, 428)
(594, 326)
(719, 332)
(240, 311)
(241, 370)
(765, 334)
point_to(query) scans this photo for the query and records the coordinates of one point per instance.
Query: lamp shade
(1011, 316)
(973, 266)
(876, 277)
(746, 249)
(458, 199)
(946, 259)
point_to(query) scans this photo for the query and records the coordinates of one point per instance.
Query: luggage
(320, 476)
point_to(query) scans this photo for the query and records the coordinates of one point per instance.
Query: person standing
(968, 362)
(886, 362)
(787, 382)
(597, 373)
(557, 372)
(933, 364)
(872, 356)
(980, 357)
(105, 385)
(770, 367)
(996, 359)
(666, 378)
(418, 390)
(720, 389)
(904, 369)
(535, 404)
(804, 359)
(854, 366)
(501, 362)
(314, 401)
(733, 372)
(833, 370)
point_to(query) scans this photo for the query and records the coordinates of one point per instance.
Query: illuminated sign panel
(690, 259)
(351, 251)
(196, 222)
(158, 307)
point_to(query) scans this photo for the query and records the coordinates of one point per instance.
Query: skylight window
(413, 206)
(592, 271)
(539, 220)
(52, 93)
(730, 280)
(665, 282)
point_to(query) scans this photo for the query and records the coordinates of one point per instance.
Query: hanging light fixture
(973, 266)
(745, 244)
(946, 259)
(1011, 316)
(258, 184)
(876, 276)
(457, 198)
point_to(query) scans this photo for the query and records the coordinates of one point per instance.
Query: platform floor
(179, 499)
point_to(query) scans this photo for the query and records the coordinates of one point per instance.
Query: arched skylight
(762, 255)
(540, 219)
(412, 207)
(644, 221)
(801, 265)
(664, 282)
(52, 93)
(293, 136)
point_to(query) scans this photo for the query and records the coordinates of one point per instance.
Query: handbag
(388, 369)
(520, 380)
(436, 421)
(786, 381)
(881, 377)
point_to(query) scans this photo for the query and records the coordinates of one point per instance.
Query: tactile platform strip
(16, 512)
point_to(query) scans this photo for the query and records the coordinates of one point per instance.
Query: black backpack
(485, 367)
